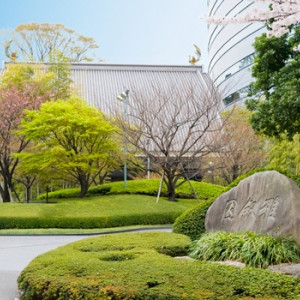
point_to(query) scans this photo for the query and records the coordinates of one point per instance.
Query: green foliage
(253, 249)
(285, 154)
(192, 221)
(141, 187)
(277, 73)
(135, 267)
(59, 65)
(72, 138)
(96, 212)
(36, 42)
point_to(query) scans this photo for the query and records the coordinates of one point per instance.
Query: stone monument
(266, 202)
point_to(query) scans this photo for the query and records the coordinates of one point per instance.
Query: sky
(127, 31)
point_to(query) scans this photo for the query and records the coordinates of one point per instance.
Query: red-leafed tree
(13, 102)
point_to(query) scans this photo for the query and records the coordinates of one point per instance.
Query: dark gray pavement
(16, 252)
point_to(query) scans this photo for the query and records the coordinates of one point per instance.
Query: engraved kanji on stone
(248, 209)
(229, 210)
(269, 207)
(274, 207)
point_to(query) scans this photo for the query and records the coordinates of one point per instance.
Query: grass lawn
(93, 212)
(142, 266)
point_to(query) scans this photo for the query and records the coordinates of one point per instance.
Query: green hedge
(192, 221)
(141, 266)
(88, 222)
(141, 187)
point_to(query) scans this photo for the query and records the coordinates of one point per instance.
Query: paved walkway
(17, 251)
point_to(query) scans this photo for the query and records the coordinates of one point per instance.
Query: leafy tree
(61, 83)
(35, 42)
(20, 88)
(277, 73)
(71, 137)
(285, 154)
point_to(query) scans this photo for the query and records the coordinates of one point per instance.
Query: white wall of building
(230, 49)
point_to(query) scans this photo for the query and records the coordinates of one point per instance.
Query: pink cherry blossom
(284, 12)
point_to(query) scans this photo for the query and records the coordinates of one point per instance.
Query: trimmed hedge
(95, 212)
(88, 222)
(141, 187)
(253, 249)
(192, 221)
(141, 266)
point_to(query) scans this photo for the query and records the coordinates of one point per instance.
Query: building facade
(230, 50)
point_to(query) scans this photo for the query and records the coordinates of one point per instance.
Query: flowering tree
(13, 102)
(282, 14)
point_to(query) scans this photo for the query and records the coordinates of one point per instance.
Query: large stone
(266, 202)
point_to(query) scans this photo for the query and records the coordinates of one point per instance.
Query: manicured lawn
(93, 212)
(142, 266)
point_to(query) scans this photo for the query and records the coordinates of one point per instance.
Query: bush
(135, 266)
(140, 187)
(88, 222)
(253, 249)
(192, 222)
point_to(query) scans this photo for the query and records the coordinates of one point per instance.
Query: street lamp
(211, 171)
(123, 98)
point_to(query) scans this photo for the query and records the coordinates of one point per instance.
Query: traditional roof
(100, 84)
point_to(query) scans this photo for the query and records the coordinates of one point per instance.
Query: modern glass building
(230, 50)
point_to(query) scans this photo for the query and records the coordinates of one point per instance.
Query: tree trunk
(28, 194)
(171, 191)
(235, 171)
(83, 188)
(5, 193)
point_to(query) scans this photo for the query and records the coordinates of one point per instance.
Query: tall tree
(13, 102)
(73, 138)
(241, 150)
(61, 83)
(284, 154)
(276, 69)
(172, 127)
(22, 86)
(35, 42)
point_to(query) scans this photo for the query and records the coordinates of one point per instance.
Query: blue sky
(127, 31)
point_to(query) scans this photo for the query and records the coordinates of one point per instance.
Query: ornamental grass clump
(248, 247)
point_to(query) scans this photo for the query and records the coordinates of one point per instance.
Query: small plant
(253, 249)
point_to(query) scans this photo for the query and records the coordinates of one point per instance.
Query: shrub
(141, 187)
(135, 266)
(253, 249)
(192, 222)
(88, 222)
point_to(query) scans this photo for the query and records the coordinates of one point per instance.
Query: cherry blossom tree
(13, 102)
(278, 14)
